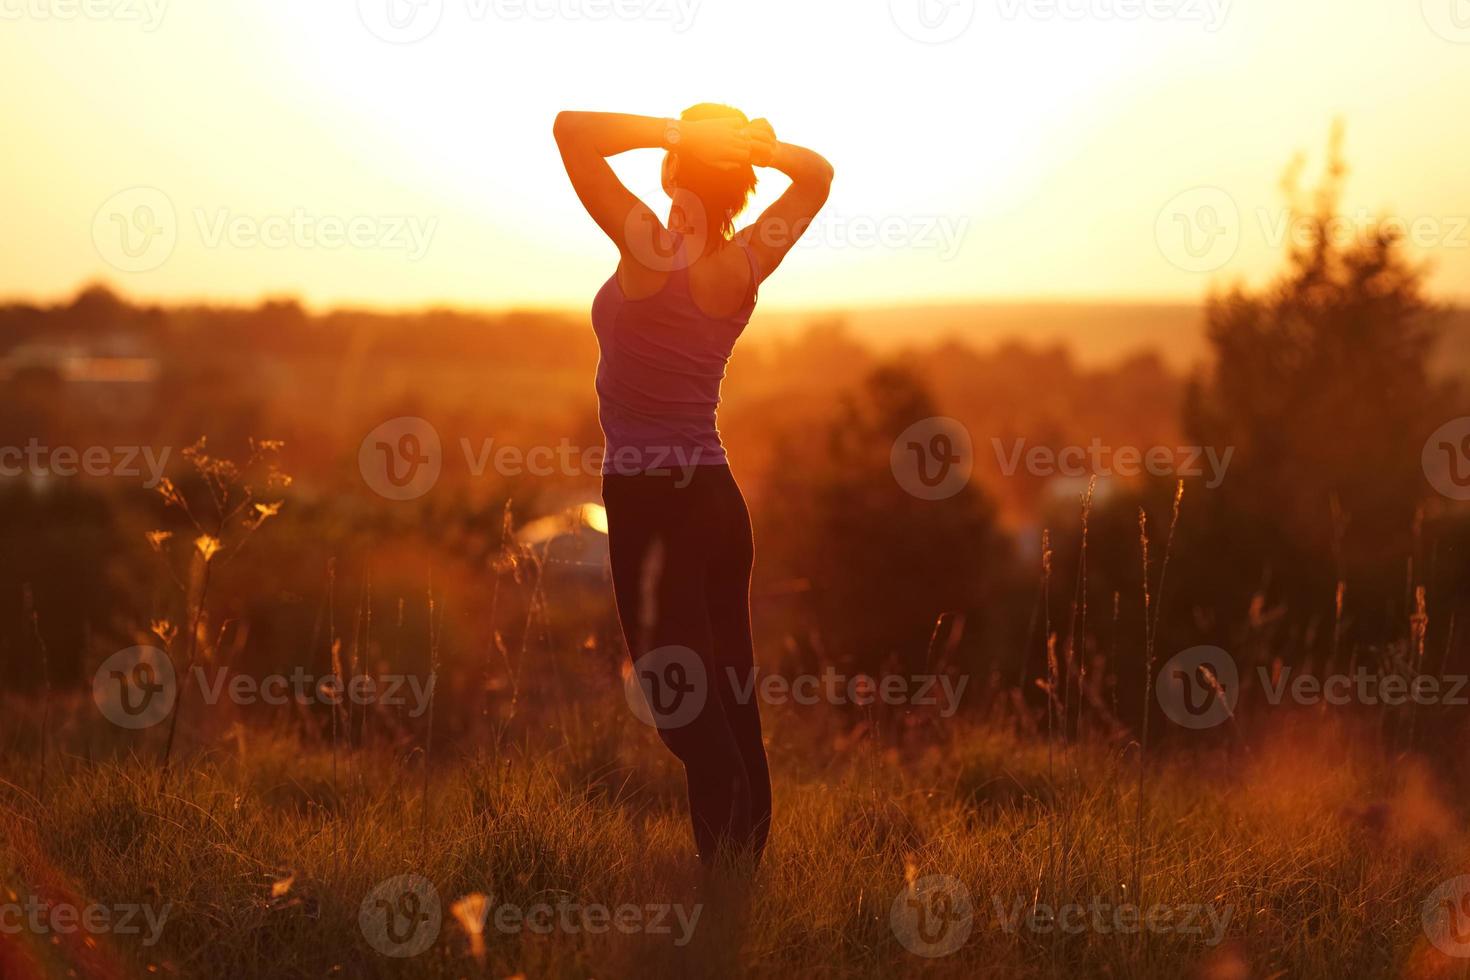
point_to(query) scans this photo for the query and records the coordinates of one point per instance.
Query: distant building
(572, 541)
(73, 364)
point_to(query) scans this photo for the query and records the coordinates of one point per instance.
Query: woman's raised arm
(587, 139)
(777, 229)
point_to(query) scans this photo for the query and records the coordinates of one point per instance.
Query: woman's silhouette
(678, 529)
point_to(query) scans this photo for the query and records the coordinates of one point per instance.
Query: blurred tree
(882, 564)
(1321, 383)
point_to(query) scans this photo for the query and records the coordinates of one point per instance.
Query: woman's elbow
(564, 128)
(824, 172)
(816, 172)
(818, 177)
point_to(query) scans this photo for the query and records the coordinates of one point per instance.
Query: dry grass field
(1291, 857)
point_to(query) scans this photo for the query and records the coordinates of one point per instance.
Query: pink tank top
(658, 377)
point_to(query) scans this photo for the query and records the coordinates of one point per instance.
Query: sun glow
(1028, 156)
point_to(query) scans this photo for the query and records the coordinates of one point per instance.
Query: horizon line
(321, 308)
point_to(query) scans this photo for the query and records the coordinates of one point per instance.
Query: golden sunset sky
(398, 152)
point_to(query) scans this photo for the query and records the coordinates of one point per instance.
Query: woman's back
(663, 357)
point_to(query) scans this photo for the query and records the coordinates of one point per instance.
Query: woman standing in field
(678, 529)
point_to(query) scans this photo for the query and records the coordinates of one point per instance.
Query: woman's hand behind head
(722, 144)
(762, 142)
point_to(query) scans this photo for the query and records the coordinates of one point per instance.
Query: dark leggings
(681, 553)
